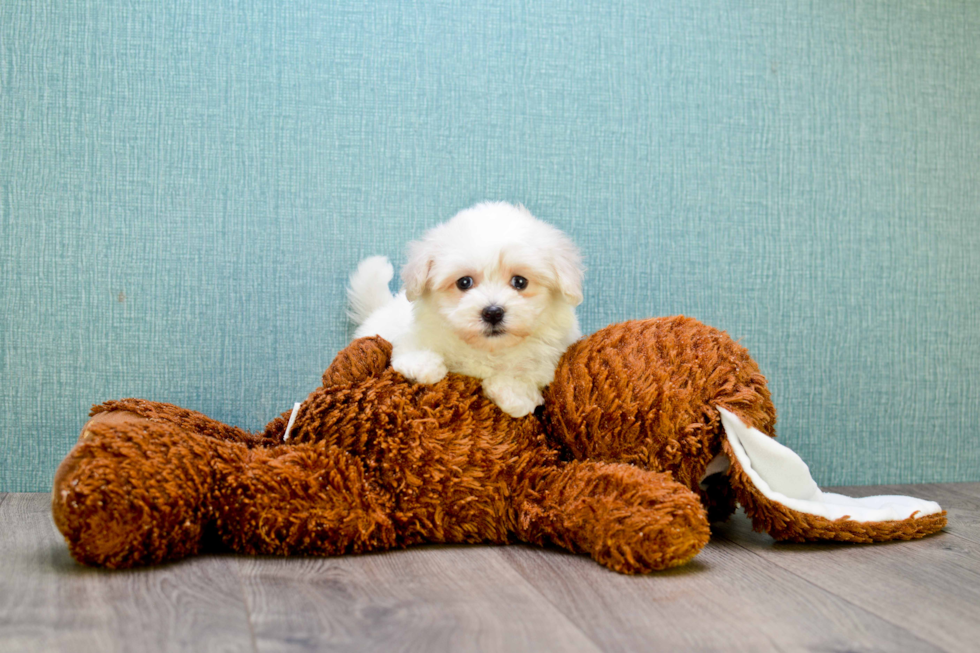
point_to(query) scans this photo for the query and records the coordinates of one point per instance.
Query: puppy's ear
(415, 274)
(566, 261)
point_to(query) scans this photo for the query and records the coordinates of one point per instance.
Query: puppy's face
(495, 274)
(490, 307)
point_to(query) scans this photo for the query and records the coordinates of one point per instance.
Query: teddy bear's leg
(188, 420)
(303, 499)
(628, 519)
(138, 491)
(133, 491)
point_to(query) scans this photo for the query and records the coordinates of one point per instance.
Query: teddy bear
(650, 430)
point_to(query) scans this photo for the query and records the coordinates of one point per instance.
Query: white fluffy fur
(434, 327)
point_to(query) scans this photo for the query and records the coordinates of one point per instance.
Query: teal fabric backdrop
(184, 187)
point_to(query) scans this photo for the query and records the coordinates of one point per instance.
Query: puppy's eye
(518, 282)
(464, 283)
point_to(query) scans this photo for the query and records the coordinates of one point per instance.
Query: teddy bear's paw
(129, 494)
(628, 519)
(516, 398)
(420, 366)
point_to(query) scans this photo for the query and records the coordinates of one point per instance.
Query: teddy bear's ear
(360, 360)
(774, 486)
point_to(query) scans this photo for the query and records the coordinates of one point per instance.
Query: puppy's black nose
(493, 314)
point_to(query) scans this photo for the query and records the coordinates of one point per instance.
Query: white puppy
(489, 294)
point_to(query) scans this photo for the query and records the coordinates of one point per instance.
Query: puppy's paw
(514, 397)
(419, 366)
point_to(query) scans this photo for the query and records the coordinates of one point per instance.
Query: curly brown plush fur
(611, 466)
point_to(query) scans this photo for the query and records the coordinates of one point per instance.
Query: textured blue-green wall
(185, 185)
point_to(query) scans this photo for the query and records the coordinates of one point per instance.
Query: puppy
(489, 294)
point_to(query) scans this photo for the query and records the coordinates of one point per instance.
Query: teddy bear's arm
(360, 360)
(628, 519)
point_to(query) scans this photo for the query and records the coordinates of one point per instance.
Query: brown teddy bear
(650, 429)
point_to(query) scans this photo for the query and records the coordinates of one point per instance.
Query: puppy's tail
(368, 290)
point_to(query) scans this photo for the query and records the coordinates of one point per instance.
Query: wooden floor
(742, 593)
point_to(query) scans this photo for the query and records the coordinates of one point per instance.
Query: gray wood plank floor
(744, 592)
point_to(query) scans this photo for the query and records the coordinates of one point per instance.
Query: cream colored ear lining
(718, 465)
(782, 477)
